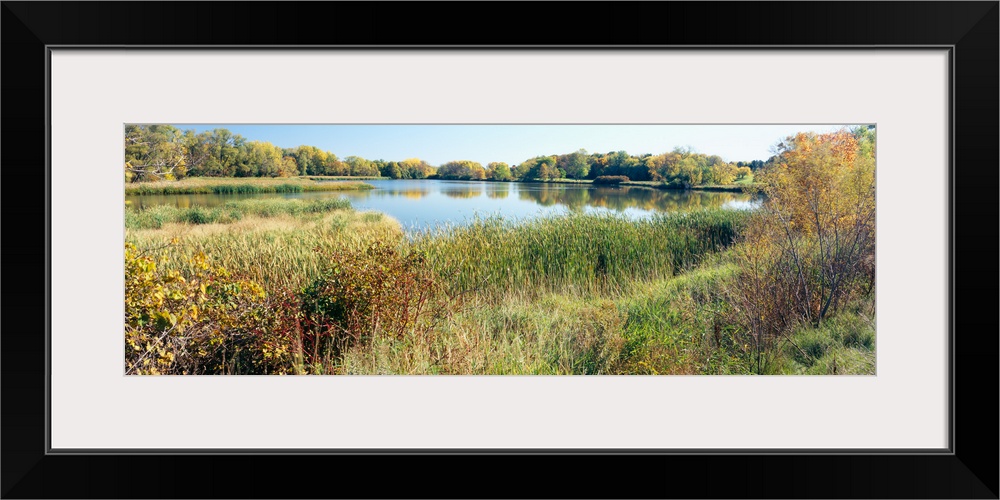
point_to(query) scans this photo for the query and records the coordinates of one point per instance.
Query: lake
(419, 204)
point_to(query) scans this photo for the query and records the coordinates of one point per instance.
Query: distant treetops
(154, 152)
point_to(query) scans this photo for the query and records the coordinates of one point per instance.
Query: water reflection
(499, 190)
(626, 197)
(423, 203)
(471, 190)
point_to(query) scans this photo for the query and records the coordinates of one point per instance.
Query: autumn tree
(223, 149)
(462, 169)
(819, 220)
(153, 152)
(264, 159)
(361, 166)
(311, 160)
(415, 168)
(499, 171)
(743, 173)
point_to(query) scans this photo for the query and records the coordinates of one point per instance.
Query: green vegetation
(158, 152)
(299, 287)
(576, 252)
(196, 185)
(343, 178)
(675, 320)
(611, 179)
(341, 269)
(156, 216)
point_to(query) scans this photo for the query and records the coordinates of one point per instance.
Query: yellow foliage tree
(811, 248)
(821, 198)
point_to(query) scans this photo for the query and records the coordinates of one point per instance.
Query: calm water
(419, 204)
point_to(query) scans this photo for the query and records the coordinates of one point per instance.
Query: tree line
(681, 167)
(154, 152)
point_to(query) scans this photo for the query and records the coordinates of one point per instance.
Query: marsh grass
(577, 294)
(280, 251)
(156, 216)
(576, 252)
(230, 185)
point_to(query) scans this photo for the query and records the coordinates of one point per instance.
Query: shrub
(202, 320)
(611, 179)
(375, 291)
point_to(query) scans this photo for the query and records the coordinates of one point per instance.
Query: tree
(154, 152)
(264, 159)
(391, 170)
(196, 149)
(415, 168)
(462, 169)
(361, 166)
(743, 173)
(722, 173)
(810, 249)
(499, 171)
(575, 164)
(546, 169)
(523, 170)
(820, 212)
(312, 160)
(598, 165)
(288, 167)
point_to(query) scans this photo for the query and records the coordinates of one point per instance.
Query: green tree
(575, 164)
(499, 171)
(361, 166)
(391, 170)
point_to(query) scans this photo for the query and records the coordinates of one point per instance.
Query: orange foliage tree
(812, 248)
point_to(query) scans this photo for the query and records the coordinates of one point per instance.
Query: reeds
(581, 252)
(228, 185)
(156, 216)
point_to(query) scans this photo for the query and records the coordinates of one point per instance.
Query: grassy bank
(230, 185)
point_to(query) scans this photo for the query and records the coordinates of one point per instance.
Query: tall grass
(581, 251)
(580, 294)
(215, 185)
(280, 251)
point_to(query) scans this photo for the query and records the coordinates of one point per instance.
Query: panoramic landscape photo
(499, 249)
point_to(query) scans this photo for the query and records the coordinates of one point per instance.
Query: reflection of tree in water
(462, 191)
(553, 194)
(499, 190)
(413, 194)
(622, 198)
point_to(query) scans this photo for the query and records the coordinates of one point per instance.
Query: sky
(513, 144)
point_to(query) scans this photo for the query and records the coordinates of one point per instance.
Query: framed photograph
(671, 255)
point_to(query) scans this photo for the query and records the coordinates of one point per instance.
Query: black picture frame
(969, 469)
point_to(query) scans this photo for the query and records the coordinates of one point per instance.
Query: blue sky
(513, 144)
